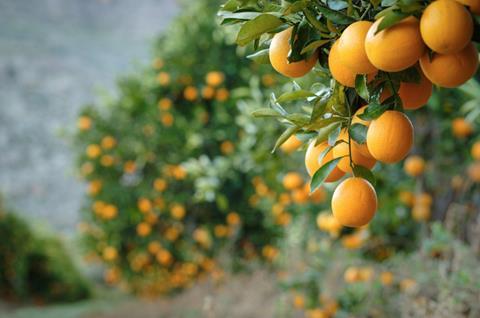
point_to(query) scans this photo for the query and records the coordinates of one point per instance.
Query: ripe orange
(415, 95)
(461, 128)
(474, 5)
(340, 72)
(421, 213)
(362, 148)
(414, 166)
(354, 202)
(312, 161)
(474, 172)
(292, 180)
(395, 48)
(342, 149)
(476, 150)
(390, 137)
(386, 278)
(446, 26)
(278, 53)
(451, 70)
(407, 198)
(292, 144)
(351, 48)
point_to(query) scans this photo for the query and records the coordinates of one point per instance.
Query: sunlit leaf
(256, 27)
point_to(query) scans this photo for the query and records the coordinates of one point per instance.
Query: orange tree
(176, 172)
(366, 65)
(375, 61)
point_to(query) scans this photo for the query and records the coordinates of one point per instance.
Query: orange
(214, 78)
(421, 213)
(414, 166)
(354, 202)
(476, 150)
(461, 128)
(396, 48)
(312, 163)
(386, 278)
(424, 199)
(292, 144)
(278, 53)
(351, 48)
(474, 172)
(351, 275)
(474, 5)
(342, 149)
(407, 198)
(390, 137)
(362, 148)
(414, 95)
(292, 180)
(340, 72)
(84, 123)
(451, 70)
(446, 26)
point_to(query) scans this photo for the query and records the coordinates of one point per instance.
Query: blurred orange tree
(176, 171)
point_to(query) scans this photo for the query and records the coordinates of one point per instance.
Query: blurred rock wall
(54, 55)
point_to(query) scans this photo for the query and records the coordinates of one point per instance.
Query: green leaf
(320, 123)
(319, 108)
(410, 75)
(284, 136)
(266, 112)
(314, 45)
(260, 57)
(298, 119)
(324, 132)
(362, 172)
(337, 4)
(296, 95)
(388, 3)
(358, 132)
(373, 111)
(336, 16)
(253, 29)
(390, 19)
(332, 138)
(295, 7)
(361, 86)
(322, 174)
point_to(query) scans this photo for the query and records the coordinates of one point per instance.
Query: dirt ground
(247, 295)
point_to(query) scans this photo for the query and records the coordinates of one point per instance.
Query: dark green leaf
(390, 19)
(336, 17)
(358, 132)
(362, 172)
(314, 45)
(410, 75)
(322, 174)
(253, 29)
(361, 86)
(373, 111)
(260, 57)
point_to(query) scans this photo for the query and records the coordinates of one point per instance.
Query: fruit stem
(349, 137)
(366, 11)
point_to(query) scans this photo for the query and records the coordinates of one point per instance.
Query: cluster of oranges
(438, 45)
